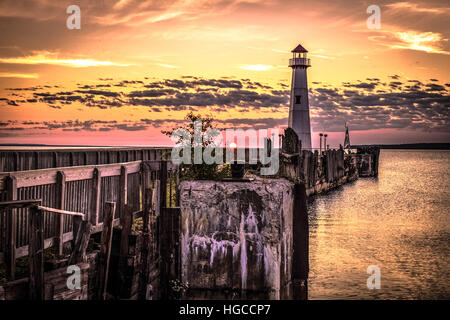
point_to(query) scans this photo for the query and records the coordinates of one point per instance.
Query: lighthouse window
(298, 99)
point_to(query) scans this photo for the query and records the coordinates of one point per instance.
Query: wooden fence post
(176, 251)
(144, 280)
(105, 249)
(177, 191)
(81, 240)
(37, 160)
(164, 253)
(36, 255)
(157, 197)
(300, 259)
(2, 294)
(123, 192)
(11, 218)
(60, 202)
(96, 194)
(163, 184)
(55, 160)
(124, 247)
(16, 164)
(169, 249)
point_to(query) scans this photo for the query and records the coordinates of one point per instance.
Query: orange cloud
(415, 8)
(420, 41)
(430, 42)
(52, 59)
(19, 75)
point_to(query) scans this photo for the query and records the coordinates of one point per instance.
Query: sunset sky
(137, 67)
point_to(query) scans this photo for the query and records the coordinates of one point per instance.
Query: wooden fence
(41, 158)
(83, 189)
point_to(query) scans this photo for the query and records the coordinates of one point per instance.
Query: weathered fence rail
(16, 159)
(82, 189)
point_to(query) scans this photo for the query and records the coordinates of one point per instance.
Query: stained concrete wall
(237, 238)
(320, 172)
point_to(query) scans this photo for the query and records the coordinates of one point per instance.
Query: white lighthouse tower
(299, 104)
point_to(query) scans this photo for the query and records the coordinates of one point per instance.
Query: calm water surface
(399, 222)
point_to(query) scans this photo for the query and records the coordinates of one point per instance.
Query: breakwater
(325, 170)
(238, 239)
(133, 216)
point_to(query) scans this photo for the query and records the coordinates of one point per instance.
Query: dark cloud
(362, 85)
(100, 93)
(127, 127)
(435, 87)
(152, 93)
(365, 105)
(423, 107)
(220, 83)
(89, 125)
(199, 98)
(234, 123)
(126, 83)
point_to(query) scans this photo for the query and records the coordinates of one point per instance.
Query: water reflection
(399, 222)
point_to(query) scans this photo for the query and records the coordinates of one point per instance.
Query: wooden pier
(20, 159)
(41, 208)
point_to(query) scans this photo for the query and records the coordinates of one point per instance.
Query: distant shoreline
(406, 146)
(409, 146)
(52, 146)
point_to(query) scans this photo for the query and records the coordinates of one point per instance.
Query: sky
(135, 68)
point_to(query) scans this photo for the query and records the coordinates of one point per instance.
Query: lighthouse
(299, 104)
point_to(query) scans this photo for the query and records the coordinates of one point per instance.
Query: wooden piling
(81, 240)
(169, 249)
(36, 255)
(55, 160)
(60, 202)
(2, 294)
(10, 248)
(36, 160)
(376, 162)
(124, 247)
(96, 195)
(105, 249)
(16, 164)
(163, 184)
(123, 192)
(157, 197)
(144, 279)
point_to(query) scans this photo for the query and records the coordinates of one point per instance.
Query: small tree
(201, 171)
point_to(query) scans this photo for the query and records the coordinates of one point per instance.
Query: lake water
(399, 222)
